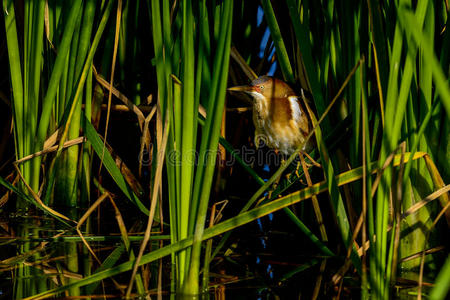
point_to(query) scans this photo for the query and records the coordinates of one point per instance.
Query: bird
(279, 116)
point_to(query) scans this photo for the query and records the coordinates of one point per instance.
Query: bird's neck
(261, 105)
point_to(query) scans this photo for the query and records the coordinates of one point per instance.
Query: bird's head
(265, 87)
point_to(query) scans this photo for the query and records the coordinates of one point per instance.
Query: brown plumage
(278, 114)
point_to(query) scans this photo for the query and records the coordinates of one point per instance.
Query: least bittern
(278, 114)
(281, 120)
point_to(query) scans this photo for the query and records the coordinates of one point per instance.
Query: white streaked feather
(295, 108)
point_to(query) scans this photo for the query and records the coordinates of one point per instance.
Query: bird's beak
(241, 88)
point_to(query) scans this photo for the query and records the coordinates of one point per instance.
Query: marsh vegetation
(127, 170)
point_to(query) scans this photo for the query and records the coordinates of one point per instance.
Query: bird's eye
(261, 87)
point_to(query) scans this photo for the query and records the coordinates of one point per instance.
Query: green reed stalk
(209, 144)
(182, 86)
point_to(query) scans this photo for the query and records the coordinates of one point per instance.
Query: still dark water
(262, 260)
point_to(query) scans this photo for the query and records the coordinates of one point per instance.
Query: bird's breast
(279, 124)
